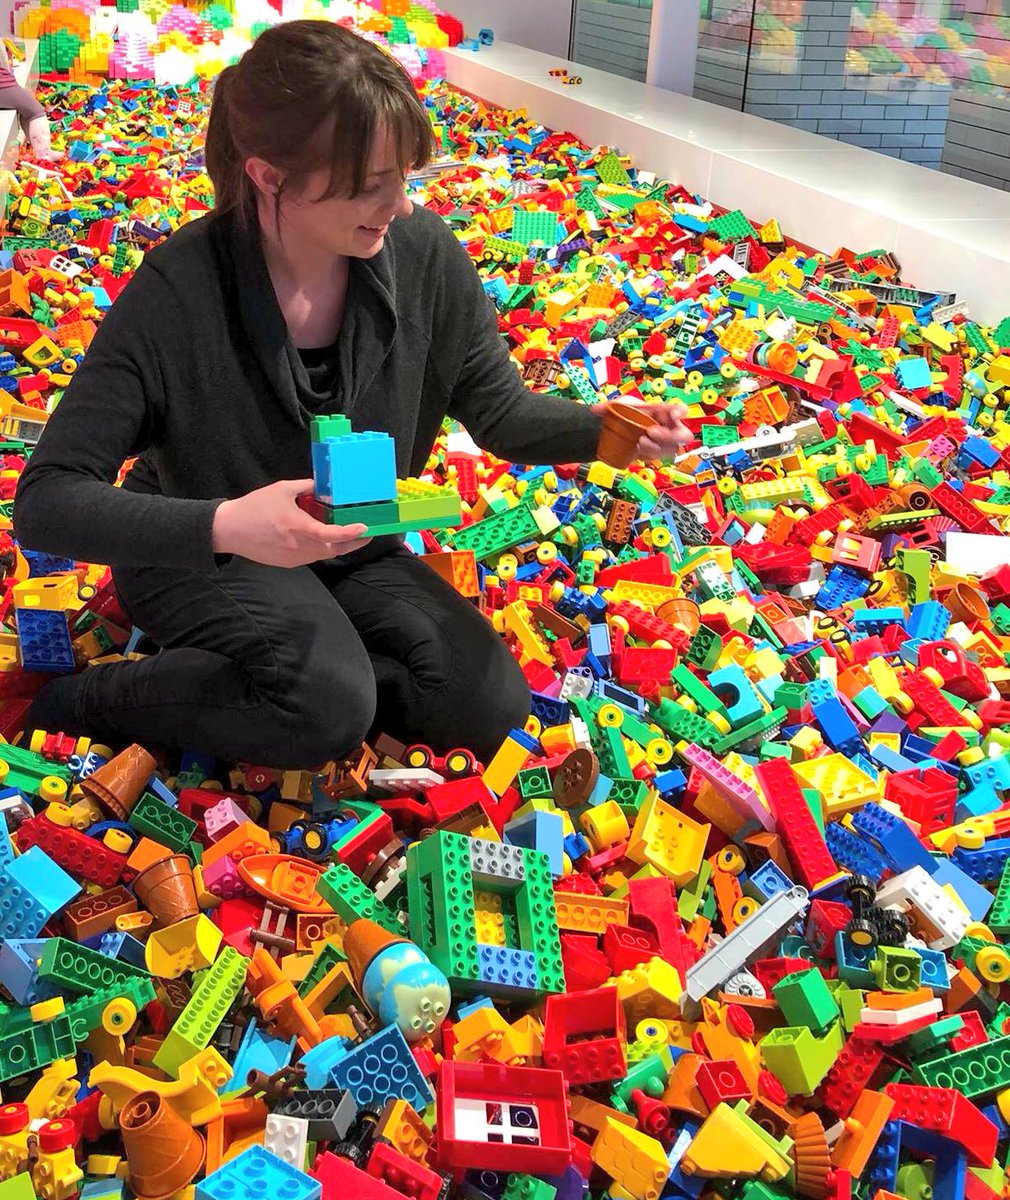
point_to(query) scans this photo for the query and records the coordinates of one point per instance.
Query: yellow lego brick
(649, 595)
(55, 1092)
(485, 1032)
(593, 1115)
(519, 622)
(528, 1036)
(843, 786)
(636, 1162)
(405, 1131)
(668, 840)
(508, 761)
(489, 922)
(54, 593)
(728, 1146)
(649, 990)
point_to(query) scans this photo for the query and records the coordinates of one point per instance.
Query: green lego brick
(496, 534)
(154, 818)
(534, 783)
(535, 227)
(705, 648)
(207, 1008)
(976, 1071)
(999, 915)
(649, 1073)
(755, 731)
(933, 1042)
(81, 969)
(350, 899)
(525, 1187)
(35, 1046)
(85, 1013)
(805, 1000)
(538, 926)
(441, 904)
(684, 725)
(20, 1187)
(731, 227)
(26, 770)
(611, 170)
(326, 960)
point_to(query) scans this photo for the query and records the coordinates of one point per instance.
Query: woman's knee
(486, 703)
(330, 718)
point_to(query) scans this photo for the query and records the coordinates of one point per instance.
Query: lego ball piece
(397, 980)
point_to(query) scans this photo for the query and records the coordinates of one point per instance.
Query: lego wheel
(862, 933)
(348, 1150)
(459, 764)
(993, 964)
(52, 789)
(314, 839)
(861, 889)
(118, 1016)
(418, 757)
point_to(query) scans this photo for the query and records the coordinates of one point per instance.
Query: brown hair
(308, 95)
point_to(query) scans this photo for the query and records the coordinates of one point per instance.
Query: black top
(194, 371)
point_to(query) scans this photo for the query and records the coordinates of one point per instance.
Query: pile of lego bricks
(725, 919)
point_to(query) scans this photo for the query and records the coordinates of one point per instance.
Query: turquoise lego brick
(50, 886)
(355, 468)
(257, 1172)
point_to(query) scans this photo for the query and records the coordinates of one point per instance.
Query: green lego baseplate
(611, 170)
(406, 514)
(531, 226)
(732, 227)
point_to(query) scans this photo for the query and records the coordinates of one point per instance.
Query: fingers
(299, 487)
(318, 531)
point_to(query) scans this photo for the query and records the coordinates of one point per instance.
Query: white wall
(540, 24)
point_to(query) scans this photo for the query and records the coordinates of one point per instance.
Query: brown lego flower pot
(119, 784)
(164, 1152)
(964, 603)
(167, 890)
(623, 425)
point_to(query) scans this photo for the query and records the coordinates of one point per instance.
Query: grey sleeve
(66, 502)
(489, 397)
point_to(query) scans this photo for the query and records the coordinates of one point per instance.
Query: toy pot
(164, 1152)
(119, 784)
(167, 890)
(623, 425)
(964, 603)
(682, 613)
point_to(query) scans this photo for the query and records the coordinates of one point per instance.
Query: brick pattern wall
(613, 35)
(978, 139)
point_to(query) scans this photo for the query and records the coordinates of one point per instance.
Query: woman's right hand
(267, 526)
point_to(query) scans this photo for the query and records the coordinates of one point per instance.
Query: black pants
(294, 667)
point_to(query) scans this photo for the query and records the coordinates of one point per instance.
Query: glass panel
(612, 35)
(927, 81)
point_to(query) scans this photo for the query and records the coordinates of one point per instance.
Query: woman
(314, 287)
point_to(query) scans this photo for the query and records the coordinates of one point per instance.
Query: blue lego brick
(929, 621)
(619, 695)
(670, 781)
(164, 793)
(838, 728)
(257, 1172)
(515, 970)
(984, 865)
(883, 1168)
(322, 1060)
(45, 564)
(877, 620)
(550, 711)
(258, 1051)
(357, 468)
(44, 640)
(598, 640)
(50, 886)
(576, 846)
(125, 948)
(382, 1069)
(934, 969)
(6, 848)
(19, 969)
(854, 961)
(539, 831)
(898, 844)
(767, 881)
(913, 373)
(857, 854)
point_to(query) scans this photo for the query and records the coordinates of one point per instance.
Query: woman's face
(352, 227)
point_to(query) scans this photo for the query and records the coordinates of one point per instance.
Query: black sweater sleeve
(66, 502)
(490, 399)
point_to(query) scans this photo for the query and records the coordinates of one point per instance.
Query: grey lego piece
(496, 863)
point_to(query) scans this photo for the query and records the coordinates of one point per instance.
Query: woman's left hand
(669, 434)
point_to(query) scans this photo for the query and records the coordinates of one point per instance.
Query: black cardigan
(194, 371)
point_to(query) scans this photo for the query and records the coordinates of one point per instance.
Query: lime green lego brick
(975, 1071)
(805, 1000)
(999, 915)
(611, 170)
(155, 819)
(731, 227)
(80, 969)
(20, 1187)
(208, 1006)
(350, 899)
(798, 1058)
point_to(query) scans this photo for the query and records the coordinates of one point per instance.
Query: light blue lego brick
(509, 971)
(854, 962)
(19, 968)
(47, 882)
(258, 1051)
(382, 1069)
(913, 373)
(258, 1173)
(6, 848)
(601, 790)
(737, 693)
(103, 1189)
(766, 882)
(934, 969)
(163, 793)
(540, 831)
(471, 1006)
(362, 468)
(321, 1060)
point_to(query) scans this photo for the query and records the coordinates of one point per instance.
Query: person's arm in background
(66, 503)
(518, 425)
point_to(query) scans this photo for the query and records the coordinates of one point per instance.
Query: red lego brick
(946, 1111)
(626, 947)
(585, 1035)
(722, 1080)
(850, 1074)
(402, 1174)
(86, 858)
(585, 966)
(340, 1178)
(654, 908)
(804, 842)
(927, 797)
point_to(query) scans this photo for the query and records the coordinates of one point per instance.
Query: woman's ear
(266, 178)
